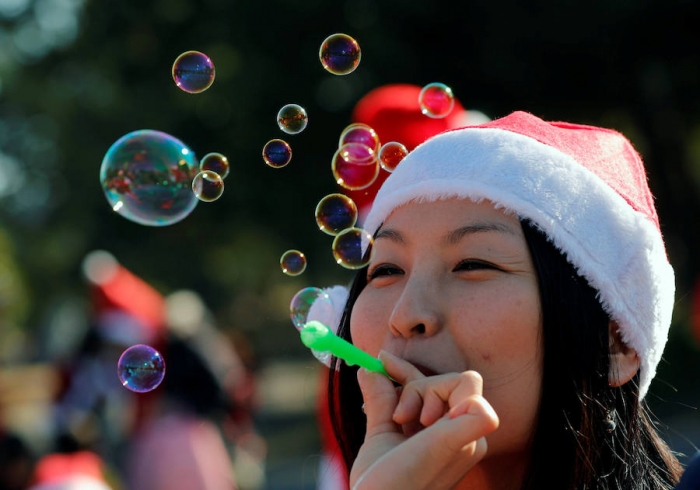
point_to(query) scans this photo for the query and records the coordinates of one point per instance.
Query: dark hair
(574, 443)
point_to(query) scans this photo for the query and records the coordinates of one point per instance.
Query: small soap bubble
(355, 166)
(277, 153)
(292, 119)
(312, 301)
(193, 72)
(141, 368)
(352, 248)
(360, 133)
(340, 54)
(208, 186)
(436, 100)
(215, 162)
(147, 176)
(335, 213)
(391, 154)
(293, 262)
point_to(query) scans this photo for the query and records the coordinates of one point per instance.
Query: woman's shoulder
(691, 476)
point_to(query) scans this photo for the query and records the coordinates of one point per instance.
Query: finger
(439, 456)
(428, 399)
(380, 399)
(453, 393)
(402, 371)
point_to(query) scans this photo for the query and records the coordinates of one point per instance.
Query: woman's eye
(384, 270)
(473, 265)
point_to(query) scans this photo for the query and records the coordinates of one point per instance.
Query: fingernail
(397, 410)
(384, 354)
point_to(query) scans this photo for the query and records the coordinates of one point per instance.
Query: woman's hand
(427, 434)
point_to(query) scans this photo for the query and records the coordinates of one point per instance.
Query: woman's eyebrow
(453, 237)
(393, 235)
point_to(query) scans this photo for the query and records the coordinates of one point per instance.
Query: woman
(520, 296)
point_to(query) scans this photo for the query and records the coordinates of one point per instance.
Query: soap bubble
(277, 153)
(436, 100)
(300, 307)
(193, 72)
(335, 213)
(360, 133)
(215, 162)
(293, 262)
(147, 176)
(141, 368)
(292, 119)
(391, 154)
(339, 54)
(355, 166)
(208, 186)
(352, 248)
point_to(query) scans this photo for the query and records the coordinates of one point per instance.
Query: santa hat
(81, 470)
(127, 309)
(584, 187)
(394, 113)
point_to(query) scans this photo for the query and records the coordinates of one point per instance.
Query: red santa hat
(394, 113)
(585, 187)
(81, 470)
(127, 309)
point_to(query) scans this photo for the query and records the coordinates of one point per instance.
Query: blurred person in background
(94, 411)
(200, 434)
(185, 433)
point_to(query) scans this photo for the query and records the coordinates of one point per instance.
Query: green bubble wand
(315, 335)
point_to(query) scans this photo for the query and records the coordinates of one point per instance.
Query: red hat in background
(394, 113)
(127, 309)
(81, 470)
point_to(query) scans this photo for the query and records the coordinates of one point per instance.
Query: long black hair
(588, 435)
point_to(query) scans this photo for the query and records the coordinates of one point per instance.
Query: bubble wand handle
(315, 335)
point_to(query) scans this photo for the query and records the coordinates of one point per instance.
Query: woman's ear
(624, 361)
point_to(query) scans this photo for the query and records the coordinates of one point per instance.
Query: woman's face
(452, 288)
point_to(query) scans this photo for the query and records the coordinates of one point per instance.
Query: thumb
(380, 399)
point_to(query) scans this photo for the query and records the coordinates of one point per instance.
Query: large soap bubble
(147, 177)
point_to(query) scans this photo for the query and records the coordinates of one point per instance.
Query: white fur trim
(617, 249)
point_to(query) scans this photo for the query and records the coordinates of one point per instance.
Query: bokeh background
(75, 75)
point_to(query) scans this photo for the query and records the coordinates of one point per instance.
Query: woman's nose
(416, 312)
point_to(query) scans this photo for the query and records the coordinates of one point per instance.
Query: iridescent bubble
(355, 166)
(292, 119)
(141, 368)
(352, 248)
(436, 100)
(193, 72)
(300, 307)
(215, 162)
(147, 176)
(335, 213)
(391, 154)
(293, 262)
(208, 186)
(360, 133)
(277, 153)
(339, 54)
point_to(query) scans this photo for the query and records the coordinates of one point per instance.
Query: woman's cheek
(365, 324)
